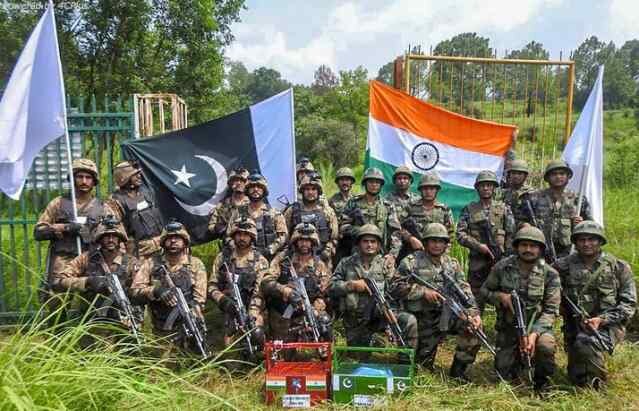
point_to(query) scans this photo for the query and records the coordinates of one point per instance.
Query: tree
(324, 79)
(265, 82)
(327, 140)
(386, 73)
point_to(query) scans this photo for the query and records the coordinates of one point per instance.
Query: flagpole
(74, 205)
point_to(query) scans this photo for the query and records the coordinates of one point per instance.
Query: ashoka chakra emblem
(425, 156)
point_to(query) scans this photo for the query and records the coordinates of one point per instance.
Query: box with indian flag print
(297, 374)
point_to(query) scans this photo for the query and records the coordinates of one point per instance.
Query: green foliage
(327, 140)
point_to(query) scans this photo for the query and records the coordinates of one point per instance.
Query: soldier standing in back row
(344, 178)
(482, 222)
(401, 197)
(319, 214)
(539, 290)
(57, 225)
(603, 286)
(235, 198)
(370, 208)
(517, 192)
(555, 209)
(134, 205)
(272, 233)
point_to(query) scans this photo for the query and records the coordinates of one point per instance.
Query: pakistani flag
(403, 130)
(188, 169)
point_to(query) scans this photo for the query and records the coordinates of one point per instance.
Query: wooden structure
(159, 113)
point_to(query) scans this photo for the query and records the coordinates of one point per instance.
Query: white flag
(32, 109)
(584, 151)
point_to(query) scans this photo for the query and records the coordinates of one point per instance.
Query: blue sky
(295, 37)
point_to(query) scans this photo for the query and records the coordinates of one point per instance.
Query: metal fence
(96, 127)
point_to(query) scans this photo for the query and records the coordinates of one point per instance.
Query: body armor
(315, 217)
(182, 279)
(93, 212)
(142, 218)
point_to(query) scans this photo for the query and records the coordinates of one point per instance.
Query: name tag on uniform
(143, 205)
(81, 220)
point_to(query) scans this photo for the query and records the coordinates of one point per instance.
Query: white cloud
(354, 29)
(624, 20)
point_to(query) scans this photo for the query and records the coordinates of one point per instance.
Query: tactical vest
(92, 212)
(376, 215)
(103, 304)
(247, 277)
(495, 216)
(560, 219)
(315, 217)
(422, 217)
(265, 225)
(310, 282)
(425, 269)
(141, 221)
(182, 280)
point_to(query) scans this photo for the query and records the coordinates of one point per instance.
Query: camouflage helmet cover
(486, 176)
(256, 179)
(369, 229)
(403, 170)
(373, 173)
(557, 165)
(311, 181)
(84, 164)
(174, 228)
(530, 233)
(124, 171)
(307, 231)
(244, 225)
(519, 165)
(430, 179)
(109, 225)
(344, 172)
(436, 230)
(591, 228)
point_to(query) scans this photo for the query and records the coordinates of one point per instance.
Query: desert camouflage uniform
(432, 325)
(316, 279)
(540, 292)
(272, 234)
(469, 234)
(324, 220)
(361, 319)
(605, 290)
(221, 216)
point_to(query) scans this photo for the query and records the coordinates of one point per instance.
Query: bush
(332, 141)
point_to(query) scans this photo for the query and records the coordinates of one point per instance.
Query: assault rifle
(580, 315)
(522, 332)
(487, 231)
(192, 327)
(458, 306)
(551, 253)
(243, 322)
(310, 321)
(121, 300)
(394, 330)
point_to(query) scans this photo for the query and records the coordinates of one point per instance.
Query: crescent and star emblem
(183, 177)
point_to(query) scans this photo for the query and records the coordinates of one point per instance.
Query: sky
(296, 36)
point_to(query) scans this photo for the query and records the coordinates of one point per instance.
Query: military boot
(458, 370)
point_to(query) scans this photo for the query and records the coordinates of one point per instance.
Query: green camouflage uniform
(469, 234)
(555, 218)
(607, 290)
(540, 292)
(361, 321)
(381, 214)
(338, 203)
(514, 198)
(440, 213)
(401, 201)
(431, 324)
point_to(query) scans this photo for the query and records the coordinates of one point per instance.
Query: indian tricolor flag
(403, 130)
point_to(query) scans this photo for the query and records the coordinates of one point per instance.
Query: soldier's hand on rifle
(98, 284)
(359, 286)
(415, 244)
(148, 246)
(319, 305)
(291, 295)
(227, 305)
(72, 228)
(593, 323)
(506, 301)
(485, 250)
(165, 295)
(389, 261)
(432, 296)
(474, 323)
(576, 220)
(529, 344)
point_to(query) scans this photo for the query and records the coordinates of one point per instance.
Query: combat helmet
(311, 181)
(244, 225)
(589, 227)
(486, 176)
(84, 164)
(238, 173)
(175, 228)
(256, 179)
(373, 173)
(403, 170)
(369, 229)
(436, 230)
(557, 165)
(109, 225)
(124, 171)
(305, 230)
(344, 172)
(519, 165)
(430, 179)
(530, 233)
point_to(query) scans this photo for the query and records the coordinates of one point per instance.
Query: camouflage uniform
(473, 219)
(421, 216)
(221, 215)
(555, 217)
(401, 201)
(431, 324)
(338, 202)
(514, 198)
(138, 211)
(361, 319)
(606, 290)
(540, 292)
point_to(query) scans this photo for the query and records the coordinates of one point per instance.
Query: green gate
(95, 129)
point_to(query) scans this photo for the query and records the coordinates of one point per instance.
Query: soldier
(401, 197)
(482, 222)
(555, 208)
(242, 260)
(517, 192)
(272, 233)
(87, 272)
(539, 290)
(370, 208)
(304, 168)
(603, 286)
(56, 224)
(361, 320)
(344, 178)
(320, 215)
(421, 212)
(434, 322)
(235, 198)
(283, 298)
(135, 205)
(151, 286)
